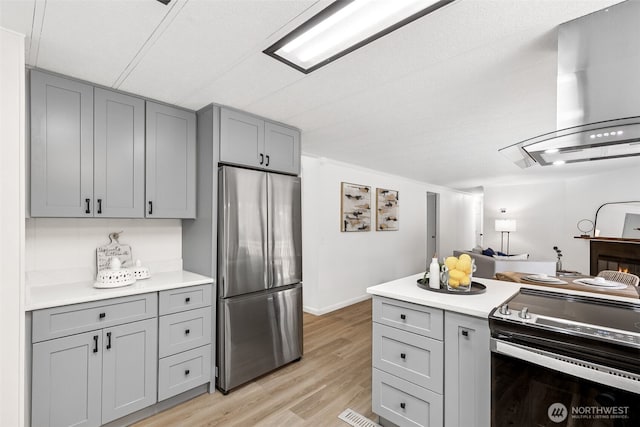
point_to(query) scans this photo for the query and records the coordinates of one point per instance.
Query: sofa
(487, 267)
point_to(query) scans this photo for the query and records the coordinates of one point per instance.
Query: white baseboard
(342, 304)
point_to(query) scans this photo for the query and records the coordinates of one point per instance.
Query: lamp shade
(505, 225)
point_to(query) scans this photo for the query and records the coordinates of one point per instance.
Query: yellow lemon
(464, 265)
(451, 262)
(454, 283)
(466, 280)
(456, 274)
(465, 257)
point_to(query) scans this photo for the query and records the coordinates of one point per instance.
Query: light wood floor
(334, 374)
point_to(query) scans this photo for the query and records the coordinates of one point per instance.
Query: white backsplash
(60, 250)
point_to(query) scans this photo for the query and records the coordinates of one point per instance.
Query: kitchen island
(431, 354)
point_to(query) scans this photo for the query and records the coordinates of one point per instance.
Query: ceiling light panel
(345, 26)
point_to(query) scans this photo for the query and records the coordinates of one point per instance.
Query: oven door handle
(578, 368)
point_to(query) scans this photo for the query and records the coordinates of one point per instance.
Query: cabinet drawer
(73, 319)
(184, 371)
(412, 357)
(414, 318)
(182, 299)
(184, 331)
(404, 403)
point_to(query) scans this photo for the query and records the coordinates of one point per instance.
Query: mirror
(619, 219)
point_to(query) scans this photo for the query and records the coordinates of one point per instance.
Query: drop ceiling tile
(17, 15)
(95, 39)
(211, 40)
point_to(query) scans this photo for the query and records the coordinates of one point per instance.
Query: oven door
(531, 387)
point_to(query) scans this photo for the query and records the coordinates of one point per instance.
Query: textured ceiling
(432, 101)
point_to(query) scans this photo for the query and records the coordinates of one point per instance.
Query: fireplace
(614, 255)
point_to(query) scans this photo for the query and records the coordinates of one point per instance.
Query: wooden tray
(476, 288)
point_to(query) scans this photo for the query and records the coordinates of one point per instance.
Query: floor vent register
(353, 418)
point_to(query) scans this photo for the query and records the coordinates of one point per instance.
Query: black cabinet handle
(261, 158)
(187, 331)
(267, 160)
(88, 209)
(108, 340)
(403, 317)
(102, 315)
(95, 343)
(402, 405)
(186, 372)
(99, 206)
(403, 356)
(465, 333)
(187, 300)
(150, 207)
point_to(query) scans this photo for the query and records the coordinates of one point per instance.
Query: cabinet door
(129, 372)
(282, 148)
(241, 139)
(66, 381)
(119, 155)
(467, 371)
(171, 162)
(61, 147)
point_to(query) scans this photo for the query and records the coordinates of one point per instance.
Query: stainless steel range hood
(598, 107)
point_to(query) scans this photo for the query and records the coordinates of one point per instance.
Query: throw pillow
(488, 252)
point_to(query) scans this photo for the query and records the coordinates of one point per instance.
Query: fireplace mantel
(608, 239)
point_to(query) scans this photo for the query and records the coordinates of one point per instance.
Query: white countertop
(72, 293)
(479, 305)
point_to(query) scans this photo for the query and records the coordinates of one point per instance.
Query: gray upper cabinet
(61, 147)
(241, 138)
(282, 148)
(90, 156)
(248, 140)
(119, 155)
(170, 162)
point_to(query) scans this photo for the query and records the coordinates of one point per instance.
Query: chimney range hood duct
(598, 113)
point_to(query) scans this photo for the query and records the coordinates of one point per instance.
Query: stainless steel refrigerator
(259, 274)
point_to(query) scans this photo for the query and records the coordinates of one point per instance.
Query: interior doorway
(433, 202)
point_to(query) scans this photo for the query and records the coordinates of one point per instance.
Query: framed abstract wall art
(355, 207)
(387, 210)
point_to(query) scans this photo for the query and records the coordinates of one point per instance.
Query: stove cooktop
(594, 318)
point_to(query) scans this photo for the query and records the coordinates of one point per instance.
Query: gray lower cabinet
(61, 147)
(407, 376)
(430, 367)
(467, 371)
(252, 141)
(118, 184)
(103, 369)
(185, 336)
(67, 381)
(170, 162)
(129, 366)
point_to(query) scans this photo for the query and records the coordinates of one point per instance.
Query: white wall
(339, 266)
(12, 125)
(64, 249)
(547, 214)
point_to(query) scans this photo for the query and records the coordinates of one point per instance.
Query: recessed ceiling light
(551, 150)
(559, 162)
(345, 26)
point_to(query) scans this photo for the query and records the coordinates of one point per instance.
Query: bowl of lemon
(459, 272)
